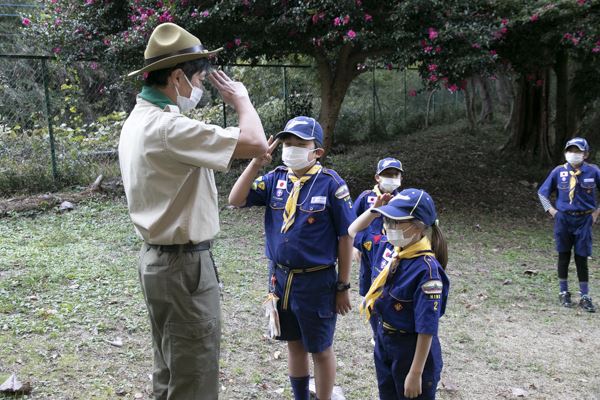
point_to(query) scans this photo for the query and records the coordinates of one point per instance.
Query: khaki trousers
(183, 299)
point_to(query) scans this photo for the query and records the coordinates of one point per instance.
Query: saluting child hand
(267, 158)
(382, 199)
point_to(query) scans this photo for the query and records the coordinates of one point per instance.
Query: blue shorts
(573, 231)
(309, 314)
(393, 354)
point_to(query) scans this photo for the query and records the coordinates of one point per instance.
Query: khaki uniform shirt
(167, 162)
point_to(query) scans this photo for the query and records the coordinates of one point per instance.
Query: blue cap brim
(298, 135)
(579, 146)
(392, 212)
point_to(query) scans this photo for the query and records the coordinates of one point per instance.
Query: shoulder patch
(258, 184)
(342, 192)
(367, 245)
(433, 286)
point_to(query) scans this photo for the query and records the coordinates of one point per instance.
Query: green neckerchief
(155, 96)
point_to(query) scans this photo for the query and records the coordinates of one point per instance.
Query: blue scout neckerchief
(289, 214)
(155, 97)
(420, 248)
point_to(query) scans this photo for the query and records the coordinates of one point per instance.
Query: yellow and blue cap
(579, 142)
(306, 128)
(389, 162)
(410, 204)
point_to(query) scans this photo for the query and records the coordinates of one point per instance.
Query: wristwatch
(341, 286)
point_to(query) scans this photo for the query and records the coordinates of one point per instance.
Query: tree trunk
(530, 131)
(561, 68)
(504, 92)
(487, 109)
(428, 109)
(470, 103)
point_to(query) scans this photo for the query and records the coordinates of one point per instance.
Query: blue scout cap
(409, 204)
(581, 144)
(306, 128)
(389, 162)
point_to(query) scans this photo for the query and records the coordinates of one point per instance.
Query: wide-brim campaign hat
(170, 45)
(389, 163)
(410, 204)
(306, 128)
(578, 142)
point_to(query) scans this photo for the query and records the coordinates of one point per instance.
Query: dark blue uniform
(305, 255)
(365, 201)
(573, 222)
(413, 299)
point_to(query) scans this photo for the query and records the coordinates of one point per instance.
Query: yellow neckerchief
(573, 182)
(289, 214)
(376, 190)
(420, 248)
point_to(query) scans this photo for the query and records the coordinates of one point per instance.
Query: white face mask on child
(388, 185)
(296, 157)
(397, 238)
(574, 158)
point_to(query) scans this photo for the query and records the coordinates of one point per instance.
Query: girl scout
(408, 297)
(575, 183)
(308, 211)
(389, 178)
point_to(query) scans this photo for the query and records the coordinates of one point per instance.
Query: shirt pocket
(312, 207)
(563, 185)
(589, 184)
(277, 204)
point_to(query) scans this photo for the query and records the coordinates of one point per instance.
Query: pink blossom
(581, 2)
(428, 49)
(567, 36)
(145, 75)
(94, 65)
(53, 1)
(438, 49)
(351, 34)
(368, 17)
(596, 49)
(534, 17)
(246, 3)
(89, 2)
(476, 46)
(504, 22)
(346, 19)
(432, 67)
(26, 21)
(229, 45)
(165, 17)
(493, 53)
(159, 4)
(204, 13)
(433, 78)
(106, 42)
(433, 34)
(237, 41)
(194, 14)
(337, 21)
(358, 3)
(575, 41)
(56, 50)
(453, 88)
(184, 2)
(503, 30)
(412, 93)
(317, 42)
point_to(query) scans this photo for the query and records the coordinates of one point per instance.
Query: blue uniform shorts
(307, 307)
(573, 231)
(393, 354)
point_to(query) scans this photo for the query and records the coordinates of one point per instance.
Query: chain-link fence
(59, 123)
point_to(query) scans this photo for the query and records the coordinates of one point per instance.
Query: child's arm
(345, 246)
(365, 219)
(241, 188)
(413, 381)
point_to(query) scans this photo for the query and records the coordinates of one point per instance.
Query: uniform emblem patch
(387, 254)
(398, 307)
(371, 199)
(281, 184)
(261, 185)
(432, 287)
(342, 192)
(367, 245)
(279, 193)
(311, 220)
(563, 174)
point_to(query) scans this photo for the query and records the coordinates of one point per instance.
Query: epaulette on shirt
(342, 192)
(333, 174)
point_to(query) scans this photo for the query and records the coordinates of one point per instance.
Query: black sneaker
(565, 299)
(586, 303)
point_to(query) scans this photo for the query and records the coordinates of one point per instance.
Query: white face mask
(574, 158)
(397, 238)
(388, 185)
(296, 157)
(189, 103)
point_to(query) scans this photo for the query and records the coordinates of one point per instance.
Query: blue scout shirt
(323, 215)
(414, 297)
(585, 189)
(376, 252)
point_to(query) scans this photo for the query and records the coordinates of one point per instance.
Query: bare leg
(324, 373)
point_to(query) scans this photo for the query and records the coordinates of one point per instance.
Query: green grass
(68, 287)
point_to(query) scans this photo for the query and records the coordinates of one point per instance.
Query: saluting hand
(231, 91)
(382, 200)
(267, 158)
(342, 302)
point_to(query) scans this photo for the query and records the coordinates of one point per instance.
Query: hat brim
(174, 60)
(297, 134)
(396, 168)
(392, 212)
(580, 147)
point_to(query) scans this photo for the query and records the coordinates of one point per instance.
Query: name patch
(318, 200)
(588, 179)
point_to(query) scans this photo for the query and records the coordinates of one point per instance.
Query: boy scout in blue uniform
(308, 211)
(575, 183)
(408, 297)
(389, 178)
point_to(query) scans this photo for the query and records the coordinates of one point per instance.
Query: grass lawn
(73, 321)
